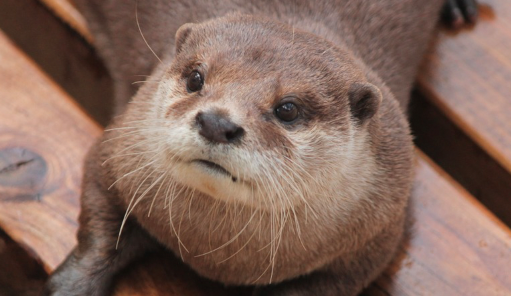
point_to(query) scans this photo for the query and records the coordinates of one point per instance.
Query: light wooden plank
(44, 136)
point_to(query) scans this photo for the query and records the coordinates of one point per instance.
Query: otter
(268, 147)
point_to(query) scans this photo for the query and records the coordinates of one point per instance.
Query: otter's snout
(217, 128)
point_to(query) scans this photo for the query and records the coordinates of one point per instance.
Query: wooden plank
(44, 136)
(468, 77)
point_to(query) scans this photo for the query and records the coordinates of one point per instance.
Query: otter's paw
(53, 288)
(456, 13)
(72, 279)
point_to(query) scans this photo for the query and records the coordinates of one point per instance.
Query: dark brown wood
(468, 74)
(165, 274)
(19, 273)
(44, 136)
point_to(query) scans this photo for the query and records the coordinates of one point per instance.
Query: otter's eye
(287, 112)
(194, 82)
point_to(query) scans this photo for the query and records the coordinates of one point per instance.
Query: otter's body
(268, 147)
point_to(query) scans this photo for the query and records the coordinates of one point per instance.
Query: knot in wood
(22, 174)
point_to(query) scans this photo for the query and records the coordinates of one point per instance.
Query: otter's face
(253, 112)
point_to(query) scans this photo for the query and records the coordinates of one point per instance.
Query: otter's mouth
(214, 168)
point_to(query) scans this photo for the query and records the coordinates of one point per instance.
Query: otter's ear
(182, 34)
(365, 100)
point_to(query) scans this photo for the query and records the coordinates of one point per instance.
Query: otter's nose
(217, 128)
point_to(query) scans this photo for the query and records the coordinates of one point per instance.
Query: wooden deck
(458, 247)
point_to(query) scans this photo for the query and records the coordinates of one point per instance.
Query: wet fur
(323, 207)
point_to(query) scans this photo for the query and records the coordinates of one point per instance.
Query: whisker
(128, 210)
(174, 196)
(156, 195)
(142, 34)
(130, 173)
(230, 241)
(242, 247)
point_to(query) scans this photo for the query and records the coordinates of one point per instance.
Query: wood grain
(468, 75)
(41, 125)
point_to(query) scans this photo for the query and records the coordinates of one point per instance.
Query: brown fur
(350, 65)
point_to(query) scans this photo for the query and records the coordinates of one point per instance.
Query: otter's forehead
(244, 47)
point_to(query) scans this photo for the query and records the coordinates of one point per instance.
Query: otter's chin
(213, 168)
(217, 182)
(214, 180)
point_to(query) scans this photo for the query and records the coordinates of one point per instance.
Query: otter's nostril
(234, 135)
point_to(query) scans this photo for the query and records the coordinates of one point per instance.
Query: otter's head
(258, 113)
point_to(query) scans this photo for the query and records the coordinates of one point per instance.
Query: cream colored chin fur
(264, 178)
